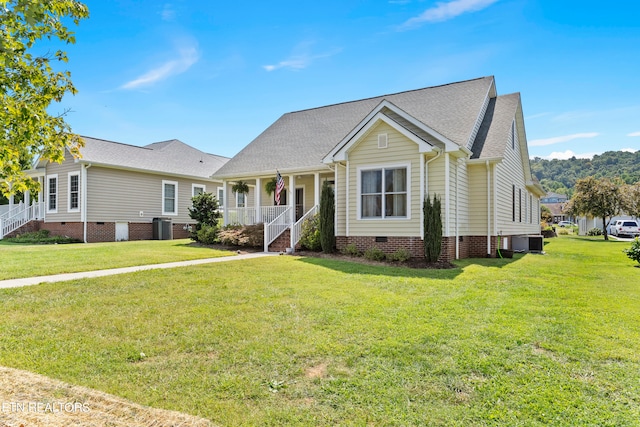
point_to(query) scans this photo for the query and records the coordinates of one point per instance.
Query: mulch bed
(411, 263)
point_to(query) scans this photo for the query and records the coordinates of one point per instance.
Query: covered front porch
(299, 200)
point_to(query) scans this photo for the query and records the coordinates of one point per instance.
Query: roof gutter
(155, 172)
(285, 171)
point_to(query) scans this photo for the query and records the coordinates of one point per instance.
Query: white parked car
(625, 227)
(566, 224)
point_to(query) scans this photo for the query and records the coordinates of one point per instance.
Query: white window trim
(359, 171)
(174, 183)
(220, 199)
(69, 209)
(49, 178)
(194, 186)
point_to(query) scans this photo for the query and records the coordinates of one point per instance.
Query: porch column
(316, 183)
(225, 203)
(258, 200)
(292, 198)
(27, 204)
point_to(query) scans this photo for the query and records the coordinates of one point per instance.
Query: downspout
(426, 172)
(346, 199)
(488, 208)
(83, 214)
(447, 191)
(457, 208)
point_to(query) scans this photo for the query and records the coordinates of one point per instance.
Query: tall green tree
(632, 200)
(29, 84)
(600, 198)
(326, 224)
(432, 213)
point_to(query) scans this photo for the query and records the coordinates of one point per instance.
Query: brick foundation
(29, 227)
(74, 230)
(281, 243)
(468, 246)
(140, 231)
(106, 231)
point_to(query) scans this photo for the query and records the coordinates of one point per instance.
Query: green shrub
(562, 232)
(205, 211)
(374, 254)
(310, 236)
(242, 235)
(594, 232)
(432, 228)
(401, 255)
(327, 218)
(41, 237)
(634, 251)
(207, 235)
(351, 249)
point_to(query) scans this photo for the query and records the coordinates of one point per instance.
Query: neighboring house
(556, 203)
(383, 156)
(114, 191)
(553, 198)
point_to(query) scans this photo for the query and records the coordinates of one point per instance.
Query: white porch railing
(241, 216)
(19, 216)
(274, 228)
(296, 230)
(249, 216)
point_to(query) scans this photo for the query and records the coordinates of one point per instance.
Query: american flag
(279, 187)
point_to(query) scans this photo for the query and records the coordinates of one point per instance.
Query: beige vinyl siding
(478, 188)
(436, 183)
(121, 195)
(509, 173)
(400, 151)
(62, 170)
(462, 193)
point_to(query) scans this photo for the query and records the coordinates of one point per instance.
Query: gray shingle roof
(301, 139)
(172, 157)
(491, 141)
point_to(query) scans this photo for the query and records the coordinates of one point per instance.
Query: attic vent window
(382, 140)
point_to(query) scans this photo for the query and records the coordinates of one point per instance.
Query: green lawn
(40, 260)
(534, 341)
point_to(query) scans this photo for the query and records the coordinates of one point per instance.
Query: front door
(299, 203)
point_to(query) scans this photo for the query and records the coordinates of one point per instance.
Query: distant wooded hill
(559, 176)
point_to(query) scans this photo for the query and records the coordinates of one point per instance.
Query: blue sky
(216, 74)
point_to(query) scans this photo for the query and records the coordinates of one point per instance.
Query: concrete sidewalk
(27, 281)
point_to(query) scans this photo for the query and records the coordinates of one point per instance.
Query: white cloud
(564, 155)
(168, 13)
(300, 59)
(634, 134)
(187, 56)
(443, 11)
(629, 150)
(559, 139)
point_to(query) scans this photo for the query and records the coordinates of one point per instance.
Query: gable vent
(382, 140)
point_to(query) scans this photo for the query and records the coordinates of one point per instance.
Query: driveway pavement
(27, 281)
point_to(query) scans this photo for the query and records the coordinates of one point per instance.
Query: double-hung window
(197, 189)
(74, 192)
(383, 192)
(221, 197)
(52, 193)
(169, 198)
